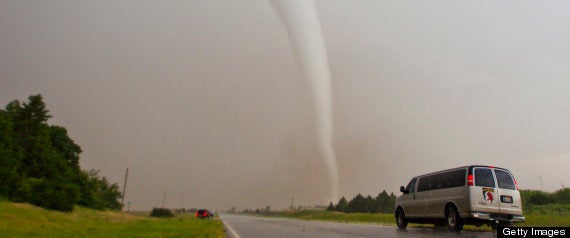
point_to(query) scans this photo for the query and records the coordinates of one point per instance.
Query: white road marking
(230, 229)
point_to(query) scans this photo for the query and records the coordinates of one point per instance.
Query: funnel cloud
(306, 40)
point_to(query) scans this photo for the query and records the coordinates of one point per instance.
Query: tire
(401, 221)
(453, 221)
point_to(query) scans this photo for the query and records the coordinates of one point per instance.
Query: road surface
(238, 226)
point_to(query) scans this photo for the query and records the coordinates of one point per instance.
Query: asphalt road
(252, 227)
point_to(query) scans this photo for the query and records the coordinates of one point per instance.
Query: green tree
(32, 136)
(342, 205)
(357, 204)
(369, 204)
(562, 196)
(390, 204)
(331, 207)
(39, 163)
(65, 147)
(49, 179)
(9, 157)
(98, 193)
(382, 201)
(535, 197)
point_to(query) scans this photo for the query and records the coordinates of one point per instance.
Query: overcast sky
(204, 99)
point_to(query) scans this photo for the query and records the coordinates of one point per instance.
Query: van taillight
(470, 180)
(516, 184)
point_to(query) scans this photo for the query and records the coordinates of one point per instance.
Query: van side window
(505, 180)
(425, 184)
(454, 179)
(484, 177)
(412, 186)
(450, 179)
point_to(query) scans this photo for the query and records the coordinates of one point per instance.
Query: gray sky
(204, 98)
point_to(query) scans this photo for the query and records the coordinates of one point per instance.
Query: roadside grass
(25, 220)
(545, 215)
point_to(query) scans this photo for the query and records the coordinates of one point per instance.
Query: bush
(161, 212)
(562, 196)
(49, 194)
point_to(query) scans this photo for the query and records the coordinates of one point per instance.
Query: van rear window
(484, 177)
(505, 180)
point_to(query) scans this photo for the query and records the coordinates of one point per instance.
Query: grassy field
(546, 215)
(24, 220)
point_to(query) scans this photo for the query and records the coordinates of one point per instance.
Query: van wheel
(453, 221)
(401, 219)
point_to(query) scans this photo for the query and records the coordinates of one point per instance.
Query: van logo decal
(488, 194)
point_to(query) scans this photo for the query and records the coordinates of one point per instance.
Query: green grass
(24, 220)
(545, 215)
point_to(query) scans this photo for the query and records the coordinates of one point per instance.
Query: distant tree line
(39, 163)
(383, 203)
(535, 197)
(265, 211)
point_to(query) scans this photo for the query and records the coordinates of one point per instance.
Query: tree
(9, 157)
(32, 136)
(357, 204)
(391, 202)
(50, 194)
(65, 147)
(331, 207)
(342, 205)
(45, 176)
(39, 163)
(97, 192)
(562, 196)
(540, 198)
(370, 204)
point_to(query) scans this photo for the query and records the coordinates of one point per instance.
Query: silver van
(474, 194)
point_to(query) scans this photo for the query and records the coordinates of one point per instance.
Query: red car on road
(202, 213)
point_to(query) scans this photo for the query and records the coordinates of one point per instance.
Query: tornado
(305, 36)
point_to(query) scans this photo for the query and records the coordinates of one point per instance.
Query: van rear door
(509, 197)
(483, 192)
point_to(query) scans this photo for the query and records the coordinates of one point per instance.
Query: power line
(541, 183)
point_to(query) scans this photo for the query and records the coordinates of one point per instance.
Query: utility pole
(124, 188)
(181, 199)
(292, 205)
(163, 198)
(541, 184)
